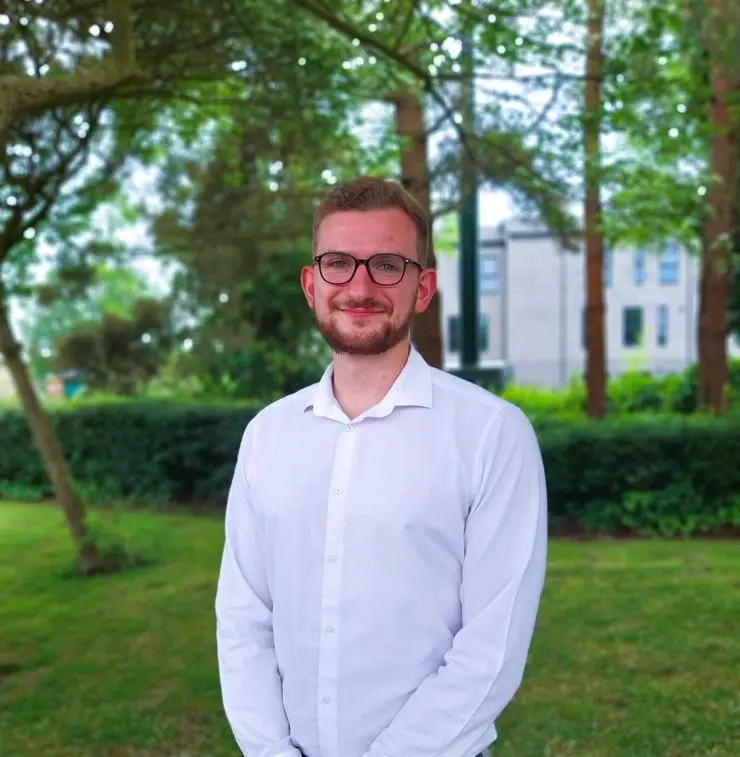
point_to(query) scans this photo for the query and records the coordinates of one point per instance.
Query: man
(385, 529)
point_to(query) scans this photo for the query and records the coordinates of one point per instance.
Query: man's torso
(363, 530)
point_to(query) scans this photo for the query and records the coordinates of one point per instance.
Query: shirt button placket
(330, 595)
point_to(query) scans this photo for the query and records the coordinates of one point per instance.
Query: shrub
(644, 473)
(144, 451)
(634, 391)
(536, 402)
(664, 475)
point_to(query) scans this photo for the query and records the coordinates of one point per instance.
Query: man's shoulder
(465, 393)
(482, 407)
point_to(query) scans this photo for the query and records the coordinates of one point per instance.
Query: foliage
(239, 229)
(118, 353)
(634, 391)
(657, 102)
(650, 474)
(512, 140)
(658, 99)
(74, 293)
(155, 451)
(185, 117)
(541, 403)
(64, 160)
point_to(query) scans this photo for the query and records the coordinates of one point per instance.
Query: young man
(386, 528)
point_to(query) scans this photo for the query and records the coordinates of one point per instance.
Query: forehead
(366, 232)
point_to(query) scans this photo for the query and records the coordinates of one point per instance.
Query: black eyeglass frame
(366, 262)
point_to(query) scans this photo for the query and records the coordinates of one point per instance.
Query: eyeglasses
(385, 269)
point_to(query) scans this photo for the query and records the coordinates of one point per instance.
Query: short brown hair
(374, 193)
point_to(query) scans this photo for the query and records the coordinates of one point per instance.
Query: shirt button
(332, 558)
(330, 629)
(348, 427)
(338, 491)
(326, 700)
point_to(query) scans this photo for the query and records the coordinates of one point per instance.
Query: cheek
(403, 300)
(327, 299)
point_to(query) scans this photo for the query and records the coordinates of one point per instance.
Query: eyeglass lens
(339, 267)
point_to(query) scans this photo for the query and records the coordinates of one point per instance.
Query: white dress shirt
(380, 577)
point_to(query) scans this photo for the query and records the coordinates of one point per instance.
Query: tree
(415, 177)
(426, 88)
(247, 232)
(722, 201)
(75, 292)
(83, 87)
(20, 96)
(593, 231)
(677, 179)
(118, 353)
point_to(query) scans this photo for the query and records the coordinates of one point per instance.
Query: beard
(364, 340)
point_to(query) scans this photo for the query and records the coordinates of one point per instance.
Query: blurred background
(159, 167)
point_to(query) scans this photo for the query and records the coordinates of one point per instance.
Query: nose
(361, 285)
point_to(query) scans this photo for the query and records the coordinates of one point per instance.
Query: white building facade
(532, 305)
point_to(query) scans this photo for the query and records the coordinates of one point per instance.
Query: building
(532, 297)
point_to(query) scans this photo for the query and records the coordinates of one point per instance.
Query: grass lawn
(637, 652)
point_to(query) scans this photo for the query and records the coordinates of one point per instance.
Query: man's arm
(452, 712)
(250, 683)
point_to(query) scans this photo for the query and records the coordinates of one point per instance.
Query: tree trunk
(594, 239)
(426, 331)
(716, 266)
(89, 559)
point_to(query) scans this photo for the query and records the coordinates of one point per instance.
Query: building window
(639, 266)
(662, 327)
(608, 266)
(631, 326)
(454, 333)
(668, 264)
(489, 280)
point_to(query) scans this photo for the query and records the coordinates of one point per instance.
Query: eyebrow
(346, 252)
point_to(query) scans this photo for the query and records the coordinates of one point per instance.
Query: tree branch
(20, 95)
(444, 210)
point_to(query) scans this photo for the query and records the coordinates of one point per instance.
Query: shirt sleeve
(251, 686)
(453, 712)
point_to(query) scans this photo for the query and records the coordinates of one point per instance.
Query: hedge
(153, 452)
(663, 475)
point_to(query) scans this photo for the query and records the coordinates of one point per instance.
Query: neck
(361, 381)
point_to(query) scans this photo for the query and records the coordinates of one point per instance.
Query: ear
(307, 284)
(426, 288)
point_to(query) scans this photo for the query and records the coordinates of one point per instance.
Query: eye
(336, 261)
(388, 264)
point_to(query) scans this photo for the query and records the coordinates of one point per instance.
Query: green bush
(643, 473)
(634, 391)
(538, 402)
(661, 475)
(145, 451)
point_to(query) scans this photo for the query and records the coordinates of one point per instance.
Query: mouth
(360, 312)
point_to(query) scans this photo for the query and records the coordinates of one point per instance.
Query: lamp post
(468, 218)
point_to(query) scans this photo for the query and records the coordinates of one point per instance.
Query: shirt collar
(412, 388)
